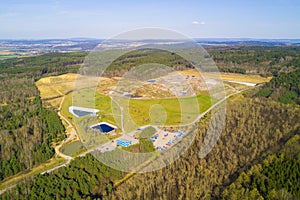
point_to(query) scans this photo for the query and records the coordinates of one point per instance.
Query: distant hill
(41, 46)
(248, 42)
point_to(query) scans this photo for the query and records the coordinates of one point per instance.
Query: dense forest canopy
(27, 130)
(236, 59)
(276, 178)
(254, 59)
(37, 66)
(284, 88)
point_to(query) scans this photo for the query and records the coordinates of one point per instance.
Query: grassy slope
(139, 109)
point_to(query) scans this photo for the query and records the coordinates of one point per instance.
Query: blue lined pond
(103, 127)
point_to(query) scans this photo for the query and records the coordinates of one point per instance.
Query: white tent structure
(82, 111)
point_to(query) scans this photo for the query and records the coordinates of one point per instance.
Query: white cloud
(198, 22)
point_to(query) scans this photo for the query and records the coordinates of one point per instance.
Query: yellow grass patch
(251, 78)
(6, 52)
(54, 88)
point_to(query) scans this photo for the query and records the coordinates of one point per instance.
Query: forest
(260, 132)
(250, 135)
(266, 61)
(236, 59)
(27, 129)
(85, 177)
(36, 66)
(284, 88)
(276, 177)
(253, 59)
(252, 132)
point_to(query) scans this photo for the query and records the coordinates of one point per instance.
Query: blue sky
(103, 19)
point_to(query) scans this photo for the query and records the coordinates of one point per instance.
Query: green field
(147, 132)
(72, 148)
(171, 111)
(88, 98)
(7, 56)
(139, 112)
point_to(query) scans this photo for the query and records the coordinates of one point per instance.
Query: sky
(32, 19)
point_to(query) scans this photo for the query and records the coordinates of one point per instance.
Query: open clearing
(251, 78)
(5, 54)
(139, 111)
(72, 148)
(55, 87)
(150, 108)
(136, 111)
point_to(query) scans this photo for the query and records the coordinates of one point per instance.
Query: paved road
(57, 167)
(122, 113)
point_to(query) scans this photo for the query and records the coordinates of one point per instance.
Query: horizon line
(204, 38)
